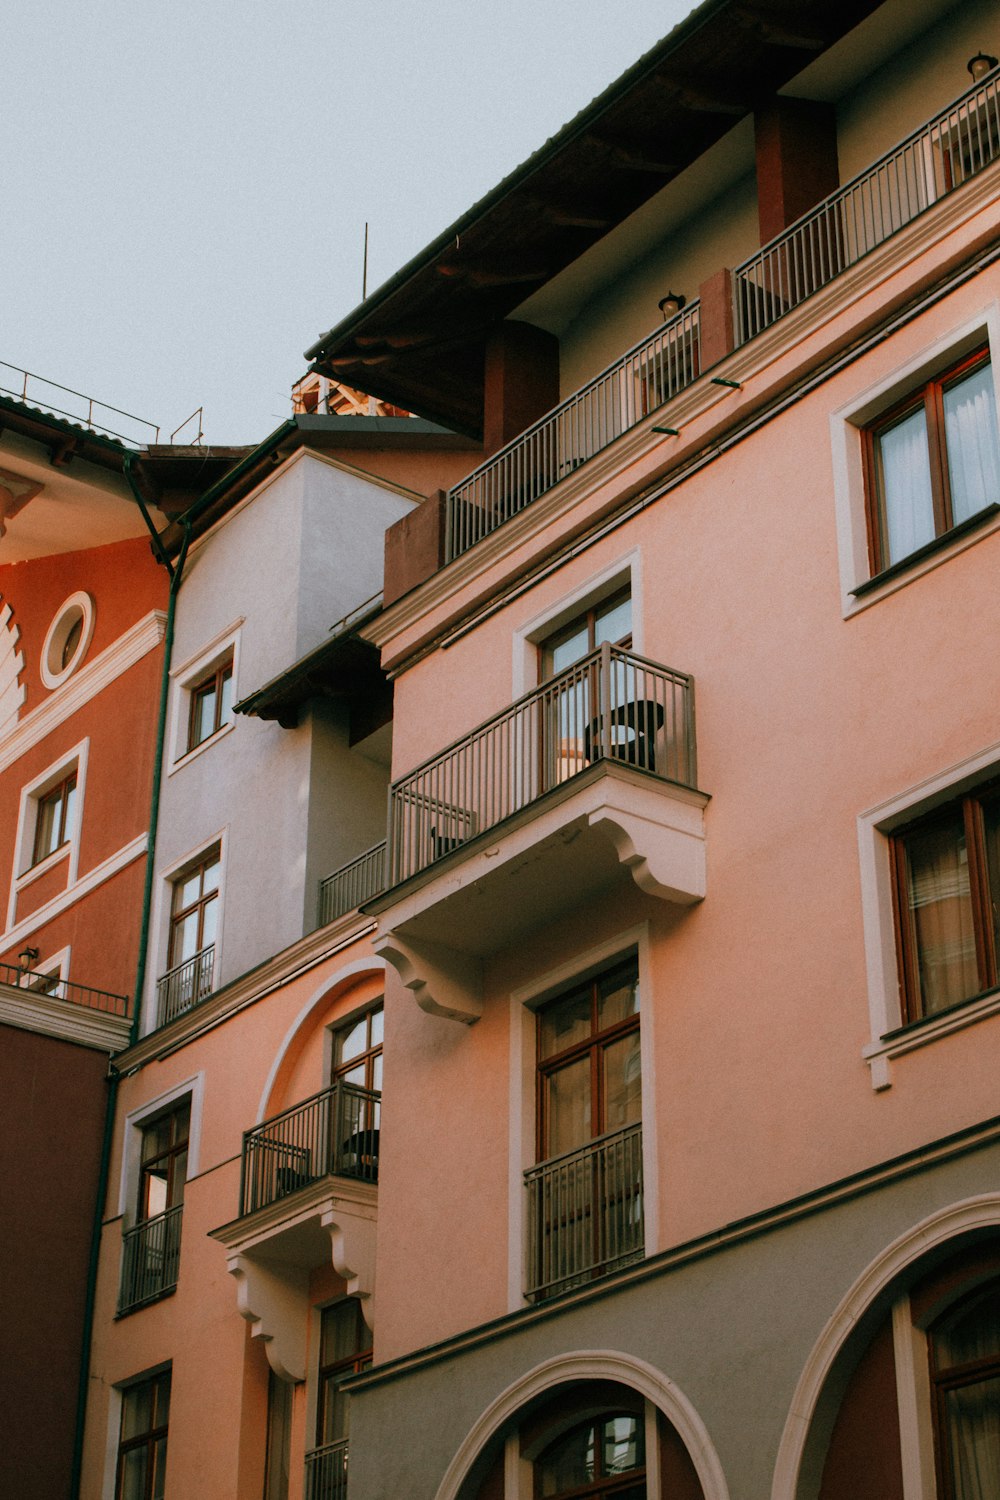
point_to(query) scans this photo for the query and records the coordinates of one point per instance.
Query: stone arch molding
(936, 1230)
(592, 1364)
(321, 997)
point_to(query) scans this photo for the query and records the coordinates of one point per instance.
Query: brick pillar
(716, 318)
(521, 381)
(796, 146)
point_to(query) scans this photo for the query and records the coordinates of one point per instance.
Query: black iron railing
(611, 705)
(184, 986)
(333, 1134)
(326, 1472)
(584, 1213)
(61, 989)
(352, 885)
(150, 1256)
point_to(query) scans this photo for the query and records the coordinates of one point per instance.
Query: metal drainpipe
(176, 572)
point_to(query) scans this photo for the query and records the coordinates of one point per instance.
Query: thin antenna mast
(364, 272)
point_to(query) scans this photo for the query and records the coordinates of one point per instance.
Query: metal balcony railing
(333, 1134)
(62, 989)
(352, 885)
(584, 1213)
(184, 986)
(611, 705)
(326, 1472)
(651, 373)
(150, 1255)
(930, 163)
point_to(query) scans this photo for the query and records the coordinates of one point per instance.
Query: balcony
(333, 1134)
(150, 1256)
(651, 373)
(352, 885)
(947, 151)
(585, 1213)
(326, 1472)
(536, 811)
(55, 1006)
(184, 986)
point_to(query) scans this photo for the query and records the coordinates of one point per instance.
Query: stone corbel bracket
(352, 1244)
(659, 839)
(274, 1298)
(444, 982)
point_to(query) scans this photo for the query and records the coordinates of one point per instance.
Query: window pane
(568, 1107)
(991, 834)
(906, 486)
(378, 1026)
(941, 912)
(377, 1072)
(575, 646)
(974, 1334)
(185, 944)
(353, 1042)
(133, 1482)
(617, 997)
(159, 1468)
(973, 1418)
(204, 714)
(209, 923)
(564, 1023)
(622, 1083)
(137, 1410)
(569, 1463)
(226, 706)
(47, 831)
(156, 1192)
(614, 623)
(622, 1445)
(187, 890)
(970, 422)
(339, 1337)
(211, 873)
(69, 800)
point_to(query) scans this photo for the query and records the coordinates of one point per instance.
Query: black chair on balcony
(633, 728)
(359, 1155)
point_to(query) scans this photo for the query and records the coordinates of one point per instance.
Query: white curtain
(906, 487)
(970, 421)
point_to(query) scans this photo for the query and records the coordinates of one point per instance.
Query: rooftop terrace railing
(74, 406)
(333, 1134)
(949, 149)
(611, 705)
(585, 1215)
(61, 989)
(651, 373)
(352, 885)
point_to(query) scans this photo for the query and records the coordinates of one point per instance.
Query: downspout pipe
(176, 574)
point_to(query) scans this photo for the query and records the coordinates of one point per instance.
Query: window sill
(205, 744)
(929, 550)
(34, 872)
(878, 1055)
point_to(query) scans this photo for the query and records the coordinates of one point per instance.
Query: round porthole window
(67, 639)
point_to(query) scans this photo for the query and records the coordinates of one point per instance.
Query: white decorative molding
(443, 981)
(28, 1010)
(74, 893)
(351, 1227)
(592, 1364)
(51, 667)
(144, 636)
(274, 1299)
(11, 667)
(660, 840)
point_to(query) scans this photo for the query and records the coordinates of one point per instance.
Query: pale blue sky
(186, 183)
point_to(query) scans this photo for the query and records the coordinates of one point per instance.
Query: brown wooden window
(357, 1050)
(589, 1078)
(211, 703)
(601, 1458)
(611, 620)
(54, 818)
(932, 462)
(142, 1442)
(163, 1165)
(965, 1381)
(194, 909)
(345, 1349)
(946, 868)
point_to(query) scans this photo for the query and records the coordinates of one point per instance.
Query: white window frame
(50, 668)
(136, 1122)
(23, 873)
(875, 827)
(846, 435)
(624, 572)
(163, 910)
(184, 678)
(524, 1004)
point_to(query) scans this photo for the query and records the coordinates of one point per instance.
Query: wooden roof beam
(751, 19)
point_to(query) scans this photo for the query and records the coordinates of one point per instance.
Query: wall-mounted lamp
(980, 65)
(26, 958)
(671, 305)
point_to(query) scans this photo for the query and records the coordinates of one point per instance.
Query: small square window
(211, 703)
(932, 462)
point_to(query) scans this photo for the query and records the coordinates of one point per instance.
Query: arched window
(602, 1457)
(965, 1376)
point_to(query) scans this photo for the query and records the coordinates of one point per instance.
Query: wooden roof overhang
(345, 669)
(419, 341)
